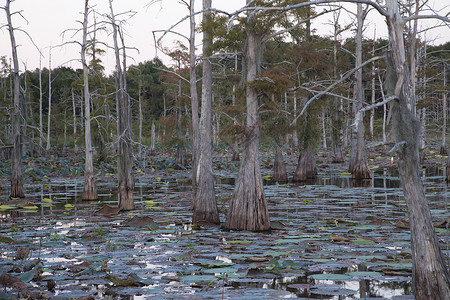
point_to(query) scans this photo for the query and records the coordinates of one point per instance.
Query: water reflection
(310, 213)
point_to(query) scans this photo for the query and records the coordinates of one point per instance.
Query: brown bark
(336, 140)
(306, 167)
(448, 169)
(90, 189)
(194, 98)
(443, 149)
(16, 161)
(125, 151)
(279, 167)
(248, 208)
(141, 117)
(359, 166)
(430, 273)
(180, 144)
(153, 140)
(431, 278)
(337, 155)
(49, 114)
(204, 201)
(235, 156)
(336, 115)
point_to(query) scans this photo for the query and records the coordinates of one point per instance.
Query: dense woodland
(154, 94)
(264, 80)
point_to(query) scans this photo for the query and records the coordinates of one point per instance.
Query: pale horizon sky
(48, 19)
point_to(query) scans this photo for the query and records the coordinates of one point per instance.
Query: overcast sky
(46, 20)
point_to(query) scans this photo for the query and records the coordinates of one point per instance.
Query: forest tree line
(305, 69)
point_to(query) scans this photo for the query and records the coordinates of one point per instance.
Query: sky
(45, 21)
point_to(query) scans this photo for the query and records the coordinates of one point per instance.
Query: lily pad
(220, 270)
(364, 274)
(4, 207)
(331, 276)
(331, 290)
(363, 242)
(47, 200)
(197, 278)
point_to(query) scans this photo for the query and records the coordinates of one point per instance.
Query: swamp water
(332, 239)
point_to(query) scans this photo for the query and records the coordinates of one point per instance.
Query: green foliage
(309, 127)
(94, 53)
(55, 237)
(224, 38)
(145, 81)
(99, 231)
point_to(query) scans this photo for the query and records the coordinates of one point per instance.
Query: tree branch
(369, 107)
(418, 17)
(255, 9)
(173, 73)
(188, 16)
(345, 77)
(296, 25)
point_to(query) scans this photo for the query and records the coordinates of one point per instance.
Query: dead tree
(431, 278)
(16, 161)
(125, 150)
(279, 167)
(443, 149)
(194, 97)
(359, 166)
(49, 114)
(90, 189)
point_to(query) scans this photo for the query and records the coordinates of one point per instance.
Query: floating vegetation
(328, 238)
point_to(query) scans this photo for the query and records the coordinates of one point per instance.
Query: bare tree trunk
(337, 155)
(347, 127)
(141, 119)
(164, 112)
(153, 138)
(216, 121)
(125, 150)
(16, 161)
(337, 112)
(47, 148)
(324, 131)
(204, 200)
(423, 118)
(279, 167)
(384, 110)
(41, 126)
(294, 132)
(372, 111)
(359, 166)
(194, 99)
(412, 51)
(23, 108)
(89, 189)
(447, 171)
(180, 145)
(235, 155)
(82, 115)
(431, 279)
(74, 109)
(443, 149)
(65, 132)
(248, 208)
(306, 166)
